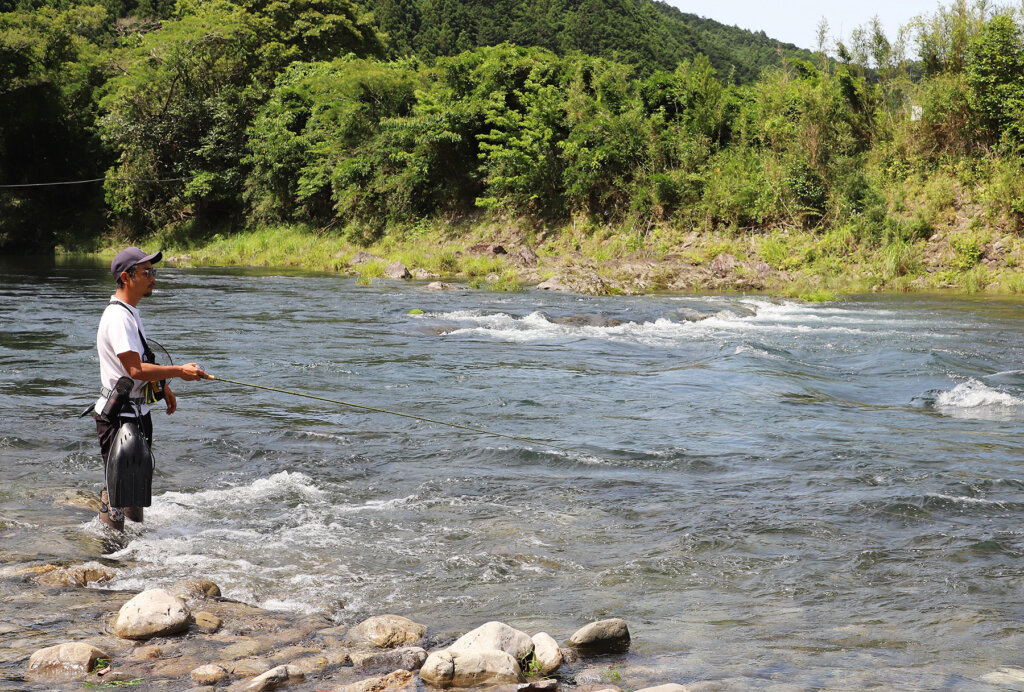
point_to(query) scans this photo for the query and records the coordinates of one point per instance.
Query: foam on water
(973, 399)
(727, 319)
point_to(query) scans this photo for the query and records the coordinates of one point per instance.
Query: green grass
(814, 264)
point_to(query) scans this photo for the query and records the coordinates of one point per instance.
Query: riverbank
(187, 636)
(791, 262)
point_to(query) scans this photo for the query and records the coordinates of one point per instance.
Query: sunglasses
(150, 273)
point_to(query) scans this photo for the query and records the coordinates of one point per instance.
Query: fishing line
(403, 415)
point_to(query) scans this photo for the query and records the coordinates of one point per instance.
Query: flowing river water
(828, 495)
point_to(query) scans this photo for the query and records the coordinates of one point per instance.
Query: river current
(825, 495)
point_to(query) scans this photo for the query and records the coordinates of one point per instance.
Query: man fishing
(131, 379)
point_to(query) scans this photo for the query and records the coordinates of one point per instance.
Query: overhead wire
(82, 182)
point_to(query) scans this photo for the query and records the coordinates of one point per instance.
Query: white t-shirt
(119, 333)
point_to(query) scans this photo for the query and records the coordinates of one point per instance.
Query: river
(826, 495)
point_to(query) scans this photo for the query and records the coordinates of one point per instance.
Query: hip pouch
(130, 467)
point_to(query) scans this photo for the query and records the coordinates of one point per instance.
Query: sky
(796, 21)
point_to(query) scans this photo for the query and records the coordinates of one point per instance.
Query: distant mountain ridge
(646, 33)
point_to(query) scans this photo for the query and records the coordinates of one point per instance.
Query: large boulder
(152, 613)
(64, 660)
(495, 636)
(546, 652)
(387, 632)
(461, 669)
(604, 635)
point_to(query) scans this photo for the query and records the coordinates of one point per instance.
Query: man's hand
(170, 400)
(191, 372)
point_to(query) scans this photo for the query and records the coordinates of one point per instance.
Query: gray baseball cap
(129, 257)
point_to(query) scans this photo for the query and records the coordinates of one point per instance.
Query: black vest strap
(147, 354)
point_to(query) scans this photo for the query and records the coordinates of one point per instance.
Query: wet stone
(64, 660)
(249, 667)
(195, 589)
(400, 679)
(146, 652)
(207, 621)
(406, 658)
(175, 667)
(387, 631)
(209, 674)
(601, 636)
(152, 613)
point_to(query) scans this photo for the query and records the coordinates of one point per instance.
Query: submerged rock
(64, 660)
(208, 675)
(604, 635)
(81, 575)
(439, 286)
(152, 613)
(195, 589)
(460, 669)
(272, 679)
(387, 631)
(582, 320)
(495, 636)
(687, 315)
(398, 680)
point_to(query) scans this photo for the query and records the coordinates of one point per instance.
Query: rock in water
(547, 652)
(406, 658)
(195, 589)
(273, 678)
(588, 321)
(495, 636)
(64, 660)
(397, 270)
(387, 631)
(209, 675)
(604, 635)
(398, 680)
(152, 613)
(687, 315)
(457, 669)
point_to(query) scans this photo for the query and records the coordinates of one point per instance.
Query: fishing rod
(399, 413)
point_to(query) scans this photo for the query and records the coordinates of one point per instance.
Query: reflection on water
(824, 495)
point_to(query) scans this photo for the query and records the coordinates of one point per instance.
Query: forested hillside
(649, 35)
(235, 114)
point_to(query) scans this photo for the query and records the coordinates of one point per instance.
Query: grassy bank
(961, 256)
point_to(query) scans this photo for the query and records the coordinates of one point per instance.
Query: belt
(137, 400)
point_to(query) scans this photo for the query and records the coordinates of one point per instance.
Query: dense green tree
(995, 75)
(50, 66)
